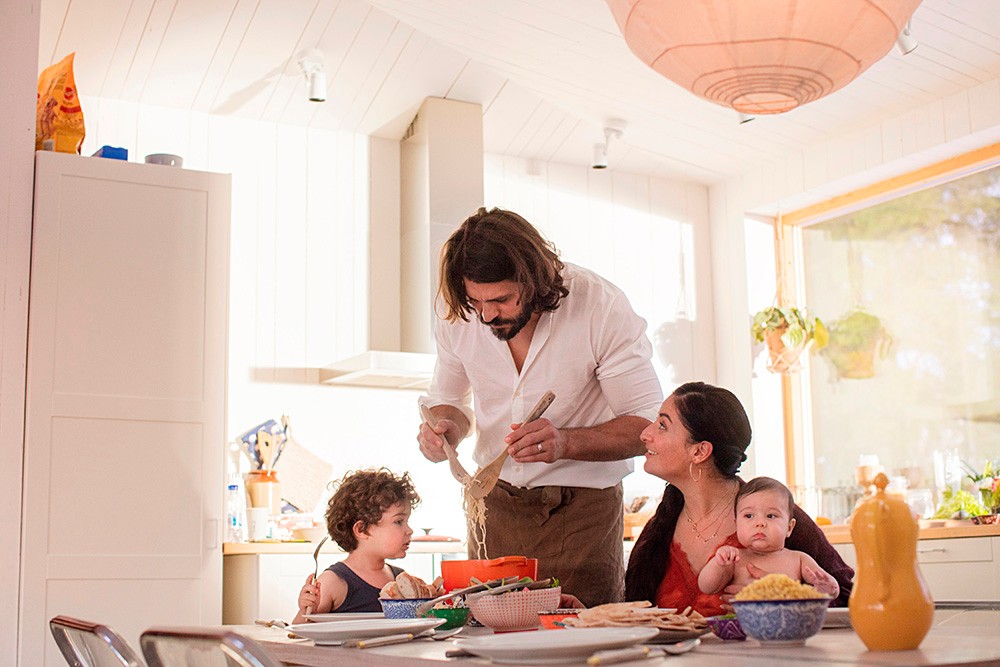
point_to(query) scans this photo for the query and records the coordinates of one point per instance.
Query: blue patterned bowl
(726, 627)
(407, 608)
(788, 622)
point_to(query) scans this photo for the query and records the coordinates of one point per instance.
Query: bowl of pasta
(778, 610)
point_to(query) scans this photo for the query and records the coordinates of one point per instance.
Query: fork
(316, 561)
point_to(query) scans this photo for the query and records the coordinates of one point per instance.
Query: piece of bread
(409, 586)
(390, 591)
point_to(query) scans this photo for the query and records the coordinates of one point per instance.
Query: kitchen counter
(929, 530)
(418, 547)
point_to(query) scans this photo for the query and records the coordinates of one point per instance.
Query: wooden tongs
(486, 478)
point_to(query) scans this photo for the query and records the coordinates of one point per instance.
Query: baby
(764, 520)
(368, 516)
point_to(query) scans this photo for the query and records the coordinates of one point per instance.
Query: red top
(679, 587)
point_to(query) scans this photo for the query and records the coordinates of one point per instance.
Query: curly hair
(495, 245)
(365, 495)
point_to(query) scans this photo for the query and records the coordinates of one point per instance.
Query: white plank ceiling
(548, 73)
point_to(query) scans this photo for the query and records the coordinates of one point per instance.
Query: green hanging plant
(788, 332)
(857, 340)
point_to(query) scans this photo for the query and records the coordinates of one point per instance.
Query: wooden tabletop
(956, 641)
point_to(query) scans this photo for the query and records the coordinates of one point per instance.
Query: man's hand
(432, 440)
(536, 442)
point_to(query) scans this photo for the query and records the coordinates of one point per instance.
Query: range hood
(420, 190)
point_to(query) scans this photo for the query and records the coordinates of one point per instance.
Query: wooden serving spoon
(486, 478)
(458, 471)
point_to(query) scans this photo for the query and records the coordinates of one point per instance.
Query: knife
(378, 641)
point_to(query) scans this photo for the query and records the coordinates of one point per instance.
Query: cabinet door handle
(937, 550)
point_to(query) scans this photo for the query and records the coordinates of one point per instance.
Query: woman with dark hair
(697, 445)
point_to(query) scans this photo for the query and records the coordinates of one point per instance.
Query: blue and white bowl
(788, 622)
(406, 608)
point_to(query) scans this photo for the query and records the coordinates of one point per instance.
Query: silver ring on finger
(539, 448)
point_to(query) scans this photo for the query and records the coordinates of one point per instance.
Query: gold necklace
(717, 522)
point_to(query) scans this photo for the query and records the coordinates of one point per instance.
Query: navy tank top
(361, 596)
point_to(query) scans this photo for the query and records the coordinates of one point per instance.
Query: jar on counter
(264, 490)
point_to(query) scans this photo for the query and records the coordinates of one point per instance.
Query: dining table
(957, 639)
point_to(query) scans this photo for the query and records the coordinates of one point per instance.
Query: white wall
(18, 76)
(299, 274)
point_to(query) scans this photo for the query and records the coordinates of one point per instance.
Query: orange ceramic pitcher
(891, 608)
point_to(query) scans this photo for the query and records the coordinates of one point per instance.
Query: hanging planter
(857, 340)
(788, 332)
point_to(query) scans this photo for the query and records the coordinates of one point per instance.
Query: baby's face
(762, 521)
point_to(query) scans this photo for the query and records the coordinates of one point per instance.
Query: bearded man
(517, 322)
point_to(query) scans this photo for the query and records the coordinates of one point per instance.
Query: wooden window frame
(787, 246)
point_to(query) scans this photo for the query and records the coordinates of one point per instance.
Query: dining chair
(86, 644)
(202, 647)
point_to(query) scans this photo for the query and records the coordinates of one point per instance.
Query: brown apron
(574, 532)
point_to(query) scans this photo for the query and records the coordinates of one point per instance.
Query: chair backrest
(202, 647)
(86, 644)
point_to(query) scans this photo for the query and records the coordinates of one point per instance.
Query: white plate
(547, 647)
(335, 632)
(347, 616)
(837, 617)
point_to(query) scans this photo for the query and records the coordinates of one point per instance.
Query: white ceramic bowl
(516, 610)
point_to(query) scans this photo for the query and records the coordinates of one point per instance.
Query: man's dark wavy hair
(495, 245)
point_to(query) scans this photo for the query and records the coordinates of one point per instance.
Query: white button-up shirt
(592, 352)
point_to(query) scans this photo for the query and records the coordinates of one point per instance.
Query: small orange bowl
(553, 620)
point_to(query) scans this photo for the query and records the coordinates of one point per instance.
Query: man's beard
(513, 327)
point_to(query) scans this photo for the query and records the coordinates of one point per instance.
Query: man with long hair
(516, 322)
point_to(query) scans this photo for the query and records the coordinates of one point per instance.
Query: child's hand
(727, 554)
(821, 580)
(309, 596)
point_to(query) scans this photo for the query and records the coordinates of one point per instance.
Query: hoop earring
(693, 478)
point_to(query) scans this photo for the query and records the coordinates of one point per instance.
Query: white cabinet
(125, 405)
(960, 568)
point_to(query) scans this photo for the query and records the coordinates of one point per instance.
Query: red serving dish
(459, 573)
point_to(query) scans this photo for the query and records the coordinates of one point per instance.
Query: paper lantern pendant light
(761, 56)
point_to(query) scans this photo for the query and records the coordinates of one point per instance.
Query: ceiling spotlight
(904, 43)
(746, 118)
(311, 65)
(601, 149)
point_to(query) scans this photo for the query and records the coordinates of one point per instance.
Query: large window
(910, 291)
